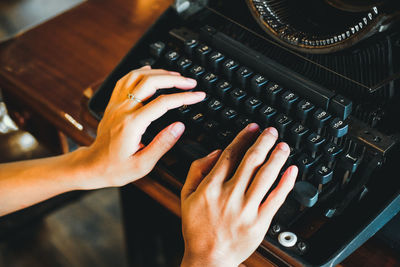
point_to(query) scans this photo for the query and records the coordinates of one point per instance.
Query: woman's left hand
(117, 156)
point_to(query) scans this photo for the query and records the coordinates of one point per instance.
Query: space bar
(273, 70)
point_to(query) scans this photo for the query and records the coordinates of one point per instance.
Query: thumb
(160, 145)
(198, 170)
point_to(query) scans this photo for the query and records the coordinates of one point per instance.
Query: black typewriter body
(346, 144)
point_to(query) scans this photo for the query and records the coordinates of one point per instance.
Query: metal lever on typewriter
(344, 198)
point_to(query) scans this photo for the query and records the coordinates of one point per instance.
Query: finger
(126, 83)
(134, 78)
(149, 84)
(159, 106)
(267, 174)
(233, 153)
(160, 145)
(254, 158)
(275, 200)
(145, 67)
(198, 170)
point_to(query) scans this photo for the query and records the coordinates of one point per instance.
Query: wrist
(82, 169)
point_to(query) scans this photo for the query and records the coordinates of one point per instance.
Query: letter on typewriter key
(313, 143)
(237, 96)
(282, 122)
(243, 75)
(288, 99)
(256, 84)
(338, 128)
(156, 49)
(196, 118)
(171, 57)
(271, 92)
(266, 114)
(228, 115)
(322, 175)
(331, 152)
(319, 119)
(304, 108)
(305, 193)
(222, 88)
(202, 52)
(211, 127)
(183, 65)
(252, 104)
(304, 163)
(297, 134)
(183, 111)
(196, 72)
(213, 106)
(190, 45)
(228, 68)
(209, 80)
(215, 61)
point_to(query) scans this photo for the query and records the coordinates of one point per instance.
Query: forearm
(25, 183)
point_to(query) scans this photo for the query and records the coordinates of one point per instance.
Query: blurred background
(75, 229)
(17, 16)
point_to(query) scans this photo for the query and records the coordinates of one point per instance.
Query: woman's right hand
(224, 216)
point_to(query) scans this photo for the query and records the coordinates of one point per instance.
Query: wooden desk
(47, 69)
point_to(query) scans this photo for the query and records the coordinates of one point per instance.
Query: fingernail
(252, 127)
(273, 131)
(293, 170)
(177, 129)
(212, 154)
(191, 81)
(199, 93)
(283, 146)
(174, 73)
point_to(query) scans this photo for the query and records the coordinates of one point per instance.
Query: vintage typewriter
(326, 74)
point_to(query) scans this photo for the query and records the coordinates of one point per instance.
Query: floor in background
(19, 15)
(85, 233)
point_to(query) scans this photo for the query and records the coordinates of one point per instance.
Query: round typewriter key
(215, 60)
(190, 44)
(287, 239)
(305, 193)
(237, 96)
(304, 108)
(256, 83)
(228, 67)
(322, 175)
(338, 128)
(319, 119)
(156, 49)
(183, 65)
(171, 57)
(201, 53)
